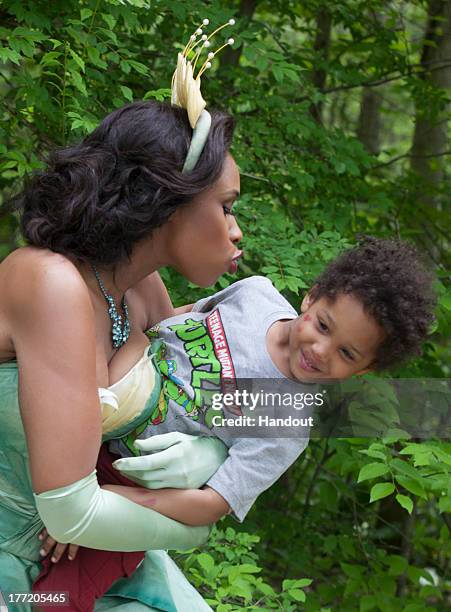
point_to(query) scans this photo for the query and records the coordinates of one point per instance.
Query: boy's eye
(322, 325)
(228, 211)
(347, 354)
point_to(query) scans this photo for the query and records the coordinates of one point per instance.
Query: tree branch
(380, 81)
(409, 155)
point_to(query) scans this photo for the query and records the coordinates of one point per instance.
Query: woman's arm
(54, 337)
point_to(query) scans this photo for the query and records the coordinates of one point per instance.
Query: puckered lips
(233, 267)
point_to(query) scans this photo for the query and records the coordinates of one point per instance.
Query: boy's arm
(183, 309)
(190, 506)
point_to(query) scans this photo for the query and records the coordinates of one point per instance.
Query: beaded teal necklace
(120, 332)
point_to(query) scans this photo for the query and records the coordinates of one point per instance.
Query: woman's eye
(227, 210)
(322, 326)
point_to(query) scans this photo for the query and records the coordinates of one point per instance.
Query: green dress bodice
(157, 583)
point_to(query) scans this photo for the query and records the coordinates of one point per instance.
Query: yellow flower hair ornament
(186, 88)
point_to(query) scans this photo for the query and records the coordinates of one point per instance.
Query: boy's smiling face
(332, 339)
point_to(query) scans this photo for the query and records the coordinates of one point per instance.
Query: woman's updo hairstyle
(98, 198)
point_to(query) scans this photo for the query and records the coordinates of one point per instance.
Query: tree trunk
(430, 138)
(368, 130)
(231, 57)
(321, 47)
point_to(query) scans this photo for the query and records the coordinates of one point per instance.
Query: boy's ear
(371, 367)
(306, 302)
(364, 371)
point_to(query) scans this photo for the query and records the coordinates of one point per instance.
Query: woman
(100, 222)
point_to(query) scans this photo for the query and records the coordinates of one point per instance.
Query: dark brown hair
(394, 287)
(96, 199)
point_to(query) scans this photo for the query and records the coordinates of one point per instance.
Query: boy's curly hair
(394, 287)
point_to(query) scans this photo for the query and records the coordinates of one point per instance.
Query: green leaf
(78, 82)
(248, 568)
(277, 72)
(444, 504)
(375, 454)
(445, 301)
(442, 455)
(303, 582)
(414, 486)
(109, 34)
(51, 58)
(398, 565)
(109, 19)
(206, 561)
(94, 57)
(22, 45)
(29, 34)
(266, 589)
(125, 67)
(127, 92)
(395, 434)
(85, 13)
(261, 63)
(297, 594)
(353, 570)
(138, 67)
(77, 59)
(340, 167)
(241, 587)
(404, 468)
(367, 602)
(8, 54)
(372, 470)
(405, 502)
(380, 490)
(158, 94)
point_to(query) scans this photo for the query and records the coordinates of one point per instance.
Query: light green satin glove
(178, 461)
(82, 513)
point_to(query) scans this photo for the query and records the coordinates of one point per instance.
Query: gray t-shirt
(221, 341)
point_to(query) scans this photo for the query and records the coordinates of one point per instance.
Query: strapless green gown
(157, 584)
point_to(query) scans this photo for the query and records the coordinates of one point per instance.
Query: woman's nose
(235, 233)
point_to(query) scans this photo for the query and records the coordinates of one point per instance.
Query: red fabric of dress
(92, 572)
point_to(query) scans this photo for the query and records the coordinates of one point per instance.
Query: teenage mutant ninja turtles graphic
(206, 347)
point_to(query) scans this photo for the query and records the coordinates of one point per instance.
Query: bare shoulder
(34, 280)
(48, 304)
(32, 275)
(154, 300)
(28, 261)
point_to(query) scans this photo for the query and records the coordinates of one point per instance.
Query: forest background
(342, 113)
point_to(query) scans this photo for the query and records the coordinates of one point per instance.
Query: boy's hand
(48, 543)
(179, 461)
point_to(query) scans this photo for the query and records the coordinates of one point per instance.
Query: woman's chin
(202, 280)
(204, 284)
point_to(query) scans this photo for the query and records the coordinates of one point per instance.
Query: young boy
(370, 309)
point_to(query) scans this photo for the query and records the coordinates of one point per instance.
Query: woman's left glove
(176, 460)
(82, 513)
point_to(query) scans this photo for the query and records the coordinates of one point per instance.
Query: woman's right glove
(82, 513)
(175, 460)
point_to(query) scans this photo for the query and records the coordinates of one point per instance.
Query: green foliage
(366, 520)
(228, 576)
